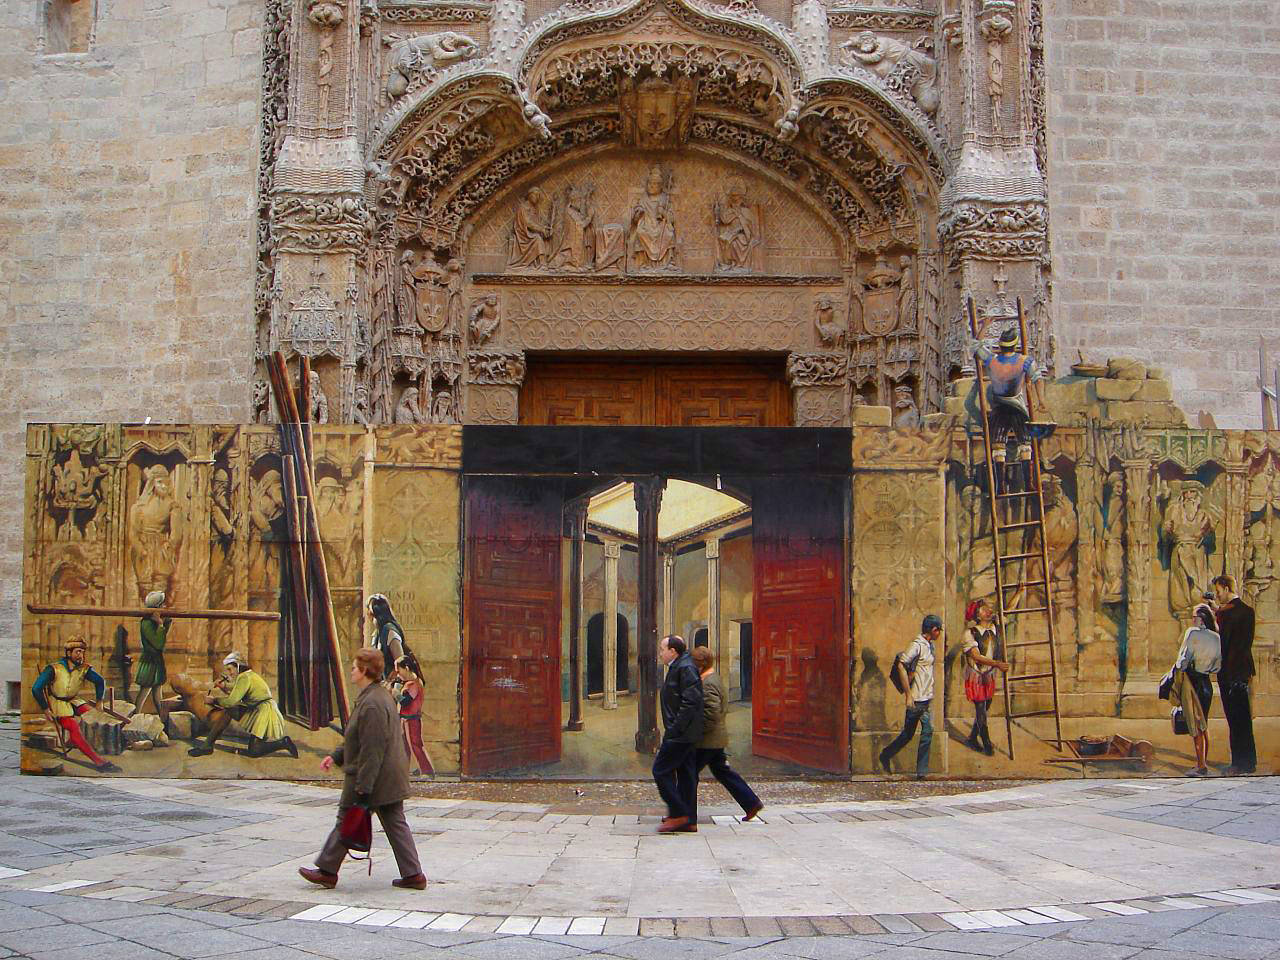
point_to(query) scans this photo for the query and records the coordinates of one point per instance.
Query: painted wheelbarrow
(1106, 750)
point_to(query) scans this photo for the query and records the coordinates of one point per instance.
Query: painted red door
(511, 682)
(800, 687)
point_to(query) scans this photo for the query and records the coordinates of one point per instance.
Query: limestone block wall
(127, 181)
(1163, 189)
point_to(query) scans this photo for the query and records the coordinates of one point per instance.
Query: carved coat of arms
(656, 115)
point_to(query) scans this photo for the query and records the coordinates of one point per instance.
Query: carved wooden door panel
(800, 681)
(571, 394)
(511, 677)
(647, 393)
(705, 395)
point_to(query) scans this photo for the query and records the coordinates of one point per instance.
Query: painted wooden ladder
(1009, 515)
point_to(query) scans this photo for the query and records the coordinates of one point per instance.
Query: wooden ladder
(1007, 518)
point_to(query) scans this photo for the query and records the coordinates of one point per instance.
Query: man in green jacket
(153, 632)
(715, 740)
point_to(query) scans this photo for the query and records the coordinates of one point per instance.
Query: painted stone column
(1140, 536)
(612, 551)
(713, 597)
(668, 591)
(648, 494)
(575, 531)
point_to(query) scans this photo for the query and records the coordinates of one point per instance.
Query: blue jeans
(917, 715)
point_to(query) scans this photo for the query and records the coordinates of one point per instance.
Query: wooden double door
(512, 708)
(636, 393)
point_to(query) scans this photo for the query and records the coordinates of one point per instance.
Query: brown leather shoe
(753, 813)
(689, 827)
(673, 824)
(319, 877)
(417, 882)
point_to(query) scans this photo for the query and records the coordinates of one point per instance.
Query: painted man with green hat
(153, 632)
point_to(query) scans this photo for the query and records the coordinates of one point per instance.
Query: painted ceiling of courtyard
(448, 187)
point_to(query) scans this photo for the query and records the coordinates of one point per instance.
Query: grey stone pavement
(106, 869)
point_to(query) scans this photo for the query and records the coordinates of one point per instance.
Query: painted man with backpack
(912, 674)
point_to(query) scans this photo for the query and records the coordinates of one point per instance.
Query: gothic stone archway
(684, 196)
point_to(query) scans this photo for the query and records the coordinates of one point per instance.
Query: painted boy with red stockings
(58, 692)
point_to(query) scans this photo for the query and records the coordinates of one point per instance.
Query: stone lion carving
(412, 55)
(885, 56)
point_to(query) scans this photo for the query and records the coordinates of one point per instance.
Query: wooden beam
(147, 611)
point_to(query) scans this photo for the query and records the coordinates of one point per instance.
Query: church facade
(457, 199)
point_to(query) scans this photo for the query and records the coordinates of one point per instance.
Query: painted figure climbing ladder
(1019, 515)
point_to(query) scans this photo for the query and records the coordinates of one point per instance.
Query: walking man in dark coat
(1235, 625)
(376, 769)
(675, 766)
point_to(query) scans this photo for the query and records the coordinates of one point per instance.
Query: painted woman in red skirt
(410, 698)
(981, 654)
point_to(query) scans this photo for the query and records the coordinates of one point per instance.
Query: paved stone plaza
(143, 869)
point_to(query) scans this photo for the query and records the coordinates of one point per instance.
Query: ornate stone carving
(324, 13)
(813, 369)
(828, 322)
(319, 412)
(656, 114)
(156, 532)
(880, 20)
(995, 27)
(360, 413)
(304, 224)
(992, 231)
(924, 449)
(418, 446)
(486, 367)
(906, 415)
(482, 323)
(460, 12)
(417, 59)
(444, 407)
(739, 230)
(651, 243)
(1113, 548)
(1186, 526)
(900, 66)
(583, 244)
(408, 411)
(532, 230)
(313, 327)
(880, 299)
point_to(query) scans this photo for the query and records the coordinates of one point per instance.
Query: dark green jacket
(715, 707)
(151, 672)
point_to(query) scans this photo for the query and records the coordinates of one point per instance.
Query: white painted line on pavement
(587, 926)
(556, 926)
(1256, 893)
(413, 920)
(319, 911)
(348, 915)
(65, 885)
(1182, 903)
(518, 925)
(994, 918)
(1120, 909)
(1227, 897)
(1058, 913)
(7, 872)
(964, 921)
(382, 918)
(1028, 917)
(450, 922)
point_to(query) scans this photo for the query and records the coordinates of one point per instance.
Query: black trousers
(729, 778)
(676, 774)
(1239, 712)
